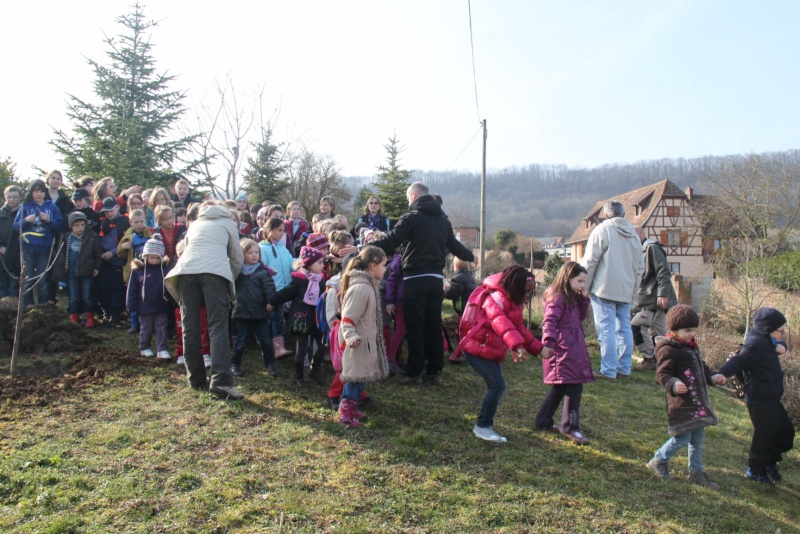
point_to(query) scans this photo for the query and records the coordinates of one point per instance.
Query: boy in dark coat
(9, 242)
(78, 263)
(773, 432)
(113, 226)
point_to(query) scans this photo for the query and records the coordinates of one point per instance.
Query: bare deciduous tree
(312, 177)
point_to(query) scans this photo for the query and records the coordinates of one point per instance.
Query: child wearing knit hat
(148, 297)
(685, 377)
(304, 290)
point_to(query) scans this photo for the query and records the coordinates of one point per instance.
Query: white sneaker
(164, 355)
(207, 360)
(181, 360)
(147, 353)
(487, 433)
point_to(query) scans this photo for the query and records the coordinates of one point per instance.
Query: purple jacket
(562, 331)
(146, 291)
(394, 281)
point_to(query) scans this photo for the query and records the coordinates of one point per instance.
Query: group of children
(493, 324)
(334, 291)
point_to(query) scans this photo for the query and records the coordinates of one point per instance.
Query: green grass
(145, 453)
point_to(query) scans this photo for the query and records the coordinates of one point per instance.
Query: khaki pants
(657, 327)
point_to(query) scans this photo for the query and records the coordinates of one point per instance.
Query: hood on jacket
(622, 225)
(215, 211)
(361, 277)
(426, 204)
(647, 242)
(493, 281)
(767, 320)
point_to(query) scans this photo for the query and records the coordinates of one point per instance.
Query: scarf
(312, 291)
(70, 237)
(373, 222)
(248, 269)
(691, 344)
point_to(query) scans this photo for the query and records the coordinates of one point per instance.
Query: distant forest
(550, 200)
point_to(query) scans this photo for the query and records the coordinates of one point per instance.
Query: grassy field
(142, 452)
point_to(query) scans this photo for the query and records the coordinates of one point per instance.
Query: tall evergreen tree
(392, 182)
(266, 176)
(129, 133)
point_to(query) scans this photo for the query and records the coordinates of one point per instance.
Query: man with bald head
(428, 236)
(613, 261)
(656, 296)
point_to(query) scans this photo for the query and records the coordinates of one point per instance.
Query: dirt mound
(45, 329)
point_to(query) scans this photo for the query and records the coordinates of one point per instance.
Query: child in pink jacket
(489, 329)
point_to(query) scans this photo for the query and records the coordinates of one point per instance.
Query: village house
(469, 236)
(667, 215)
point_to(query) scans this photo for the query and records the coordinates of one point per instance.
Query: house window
(674, 238)
(675, 267)
(673, 211)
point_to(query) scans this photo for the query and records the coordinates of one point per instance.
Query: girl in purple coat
(565, 308)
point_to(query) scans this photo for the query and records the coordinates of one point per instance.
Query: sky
(580, 83)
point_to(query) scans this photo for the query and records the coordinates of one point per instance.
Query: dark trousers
(111, 292)
(495, 386)
(773, 434)
(304, 347)
(81, 294)
(570, 420)
(153, 323)
(422, 304)
(211, 291)
(9, 286)
(262, 330)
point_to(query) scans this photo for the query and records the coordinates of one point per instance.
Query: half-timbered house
(666, 214)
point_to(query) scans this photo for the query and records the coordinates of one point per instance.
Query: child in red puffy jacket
(565, 307)
(489, 330)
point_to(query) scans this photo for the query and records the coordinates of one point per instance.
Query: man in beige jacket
(614, 266)
(205, 275)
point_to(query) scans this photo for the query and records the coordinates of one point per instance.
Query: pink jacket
(562, 331)
(503, 329)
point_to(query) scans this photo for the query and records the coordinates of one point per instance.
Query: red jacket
(503, 328)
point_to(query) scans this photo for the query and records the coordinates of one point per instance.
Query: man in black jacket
(430, 236)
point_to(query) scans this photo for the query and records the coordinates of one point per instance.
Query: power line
(472, 49)
(464, 149)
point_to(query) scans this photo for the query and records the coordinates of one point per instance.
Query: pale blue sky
(574, 82)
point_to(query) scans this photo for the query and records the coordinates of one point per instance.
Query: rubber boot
(346, 413)
(134, 329)
(279, 348)
(75, 318)
(89, 320)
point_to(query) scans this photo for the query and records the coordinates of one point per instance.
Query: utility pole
(483, 206)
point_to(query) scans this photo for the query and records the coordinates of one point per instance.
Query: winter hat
(75, 216)
(309, 256)
(154, 246)
(682, 316)
(80, 193)
(241, 196)
(109, 203)
(768, 320)
(317, 241)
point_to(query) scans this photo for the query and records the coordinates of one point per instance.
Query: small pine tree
(8, 174)
(128, 134)
(392, 182)
(265, 177)
(361, 199)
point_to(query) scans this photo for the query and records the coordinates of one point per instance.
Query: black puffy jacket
(758, 360)
(253, 292)
(429, 235)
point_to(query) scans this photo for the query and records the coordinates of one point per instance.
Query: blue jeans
(694, 439)
(276, 322)
(80, 294)
(9, 286)
(612, 320)
(496, 385)
(262, 330)
(35, 264)
(352, 391)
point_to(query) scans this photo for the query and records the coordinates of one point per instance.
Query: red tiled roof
(646, 197)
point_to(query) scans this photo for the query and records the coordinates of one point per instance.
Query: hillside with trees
(547, 200)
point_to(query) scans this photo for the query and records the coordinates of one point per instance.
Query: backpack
(740, 379)
(472, 319)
